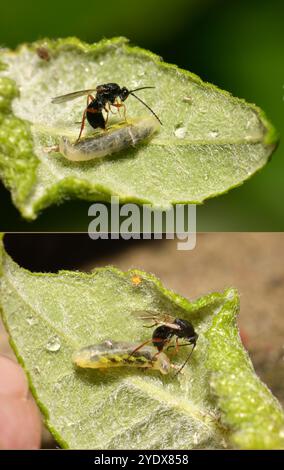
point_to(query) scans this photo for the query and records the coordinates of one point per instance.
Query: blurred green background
(238, 45)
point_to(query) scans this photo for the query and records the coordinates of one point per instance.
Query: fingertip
(13, 382)
(20, 424)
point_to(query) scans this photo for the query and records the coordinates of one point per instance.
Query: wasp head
(193, 339)
(186, 331)
(124, 93)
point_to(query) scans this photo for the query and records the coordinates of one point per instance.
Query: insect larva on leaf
(111, 354)
(106, 143)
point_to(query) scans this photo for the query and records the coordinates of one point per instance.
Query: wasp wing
(71, 96)
(157, 318)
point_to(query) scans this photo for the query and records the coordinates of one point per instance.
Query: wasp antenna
(148, 107)
(142, 88)
(185, 362)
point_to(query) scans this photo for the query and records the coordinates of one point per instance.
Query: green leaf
(217, 402)
(209, 143)
(251, 411)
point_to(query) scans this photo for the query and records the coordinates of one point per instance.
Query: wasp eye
(124, 93)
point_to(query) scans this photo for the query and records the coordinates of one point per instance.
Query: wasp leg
(177, 345)
(89, 99)
(82, 125)
(140, 346)
(121, 105)
(147, 342)
(157, 354)
(177, 368)
(109, 106)
(107, 113)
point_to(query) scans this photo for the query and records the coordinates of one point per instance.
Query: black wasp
(107, 95)
(167, 328)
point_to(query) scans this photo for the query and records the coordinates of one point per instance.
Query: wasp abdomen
(95, 116)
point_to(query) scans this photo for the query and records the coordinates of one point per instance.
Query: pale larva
(109, 142)
(120, 354)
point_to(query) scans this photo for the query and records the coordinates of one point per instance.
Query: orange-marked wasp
(107, 95)
(167, 328)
